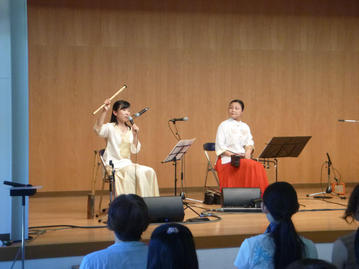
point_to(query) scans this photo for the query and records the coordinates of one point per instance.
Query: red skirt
(250, 174)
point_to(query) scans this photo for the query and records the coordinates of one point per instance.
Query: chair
(107, 178)
(207, 147)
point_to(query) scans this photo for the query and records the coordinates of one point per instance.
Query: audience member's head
(281, 202)
(171, 246)
(311, 264)
(128, 217)
(352, 211)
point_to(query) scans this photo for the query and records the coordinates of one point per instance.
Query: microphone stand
(182, 194)
(328, 188)
(112, 180)
(178, 137)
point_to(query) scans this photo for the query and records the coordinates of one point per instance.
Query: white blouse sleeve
(135, 149)
(102, 131)
(249, 138)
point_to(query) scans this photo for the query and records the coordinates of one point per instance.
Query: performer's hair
(120, 104)
(311, 264)
(281, 200)
(128, 217)
(352, 213)
(238, 101)
(172, 246)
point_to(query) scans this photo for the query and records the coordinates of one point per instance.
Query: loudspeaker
(241, 197)
(165, 209)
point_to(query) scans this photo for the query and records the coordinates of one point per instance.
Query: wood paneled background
(294, 63)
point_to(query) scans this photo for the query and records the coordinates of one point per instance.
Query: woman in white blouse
(234, 138)
(121, 141)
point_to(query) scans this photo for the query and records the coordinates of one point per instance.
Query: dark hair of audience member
(172, 247)
(239, 102)
(128, 217)
(352, 213)
(120, 104)
(352, 205)
(311, 264)
(281, 200)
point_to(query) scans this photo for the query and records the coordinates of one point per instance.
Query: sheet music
(179, 150)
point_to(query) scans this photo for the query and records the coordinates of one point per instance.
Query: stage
(317, 220)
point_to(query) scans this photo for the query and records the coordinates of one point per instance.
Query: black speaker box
(165, 209)
(241, 197)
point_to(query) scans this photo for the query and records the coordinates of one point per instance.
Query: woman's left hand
(135, 129)
(248, 154)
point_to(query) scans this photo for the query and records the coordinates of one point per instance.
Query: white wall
(208, 258)
(14, 111)
(5, 116)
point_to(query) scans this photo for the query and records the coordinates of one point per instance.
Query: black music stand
(285, 146)
(176, 154)
(23, 190)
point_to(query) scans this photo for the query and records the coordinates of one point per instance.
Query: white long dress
(129, 177)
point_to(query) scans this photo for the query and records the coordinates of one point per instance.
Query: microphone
(130, 119)
(15, 184)
(178, 119)
(348, 120)
(140, 113)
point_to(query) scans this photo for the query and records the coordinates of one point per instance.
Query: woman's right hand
(107, 104)
(227, 153)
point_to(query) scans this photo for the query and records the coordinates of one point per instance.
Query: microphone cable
(136, 160)
(176, 135)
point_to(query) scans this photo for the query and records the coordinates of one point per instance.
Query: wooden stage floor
(318, 220)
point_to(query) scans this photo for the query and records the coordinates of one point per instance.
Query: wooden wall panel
(294, 64)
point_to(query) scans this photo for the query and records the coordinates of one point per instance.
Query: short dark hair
(172, 246)
(128, 217)
(238, 101)
(120, 104)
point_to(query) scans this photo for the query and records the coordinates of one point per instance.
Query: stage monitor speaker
(241, 197)
(165, 209)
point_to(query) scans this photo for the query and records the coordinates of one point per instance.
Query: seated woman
(121, 141)
(234, 138)
(172, 246)
(345, 253)
(280, 245)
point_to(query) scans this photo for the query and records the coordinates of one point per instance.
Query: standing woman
(121, 141)
(234, 138)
